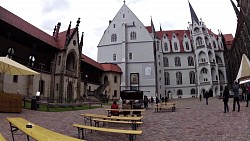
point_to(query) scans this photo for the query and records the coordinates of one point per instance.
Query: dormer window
(123, 15)
(187, 45)
(175, 46)
(166, 46)
(114, 25)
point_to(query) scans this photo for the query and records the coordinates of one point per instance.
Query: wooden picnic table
(36, 132)
(90, 117)
(125, 110)
(2, 138)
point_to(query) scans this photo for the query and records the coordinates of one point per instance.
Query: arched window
(190, 61)
(204, 70)
(114, 57)
(192, 77)
(178, 78)
(196, 30)
(167, 78)
(113, 38)
(187, 45)
(31, 61)
(199, 41)
(175, 46)
(179, 93)
(207, 41)
(214, 44)
(192, 91)
(10, 53)
(165, 62)
(133, 35)
(177, 61)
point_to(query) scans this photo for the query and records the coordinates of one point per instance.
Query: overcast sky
(95, 14)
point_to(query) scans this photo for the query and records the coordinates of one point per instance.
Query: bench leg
(79, 133)
(131, 137)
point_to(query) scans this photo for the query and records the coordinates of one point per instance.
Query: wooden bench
(82, 129)
(165, 105)
(36, 132)
(2, 138)
(133, 124)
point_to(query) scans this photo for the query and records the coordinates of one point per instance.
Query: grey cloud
(54, 5)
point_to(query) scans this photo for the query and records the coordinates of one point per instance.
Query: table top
(37, 132)
(113, 117)
(129, 110)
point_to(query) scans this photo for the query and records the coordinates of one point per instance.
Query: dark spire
(152, 25)
(160, 28)
(81, 42)
(236, 10)
(193, 15)
(68, 31)
(77, 23)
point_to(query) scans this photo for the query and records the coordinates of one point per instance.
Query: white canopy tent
(244, 70)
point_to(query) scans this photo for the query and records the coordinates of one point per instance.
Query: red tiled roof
(91, 62)
(149, 28)
(21, 24)
(62, 38)
(229, 40)
(111, 67)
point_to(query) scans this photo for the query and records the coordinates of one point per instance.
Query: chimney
(57, 31)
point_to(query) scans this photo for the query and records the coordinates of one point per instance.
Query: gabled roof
(108, 67)
(62, 38)
(111, 68)
(26, 27)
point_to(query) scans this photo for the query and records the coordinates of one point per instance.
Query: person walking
(236, 96)
(225, 99)
(206, 95)
(247, 94)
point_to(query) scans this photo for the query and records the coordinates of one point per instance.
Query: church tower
(127, 43)
(206, 67)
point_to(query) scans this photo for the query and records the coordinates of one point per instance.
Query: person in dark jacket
(206, 95)
(236, 96)
(225, 99)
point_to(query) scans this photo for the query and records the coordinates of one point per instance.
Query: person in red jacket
(115, 112)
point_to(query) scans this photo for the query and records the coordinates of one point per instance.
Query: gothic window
(175, 46)
(133, 35)
(130, 56)
(114, 57)
(192, 91)
(165, 62)
(10, 53)
(214, 44)
(179, 93)
(190, 61)
(196, 30)
(177, 61)
(204, 70)
(199, 41)
(31, 61)
(166, 46)
(187, 45)
(167, 78)
(207, 41)
(192, 77)
(178, 78)
(113, 38)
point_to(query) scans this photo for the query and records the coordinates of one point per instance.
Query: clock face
(148, 71)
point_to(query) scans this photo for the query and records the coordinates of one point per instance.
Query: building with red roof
(66, 75)
(165, 63)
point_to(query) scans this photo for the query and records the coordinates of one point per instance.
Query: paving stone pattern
(193, 120)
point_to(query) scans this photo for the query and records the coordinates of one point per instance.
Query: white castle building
(176, 63)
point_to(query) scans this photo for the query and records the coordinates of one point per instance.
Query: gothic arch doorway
(70, 92)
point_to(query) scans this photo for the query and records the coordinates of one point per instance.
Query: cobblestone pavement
(192, 121)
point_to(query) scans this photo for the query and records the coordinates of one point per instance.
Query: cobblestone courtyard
(192, 121)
